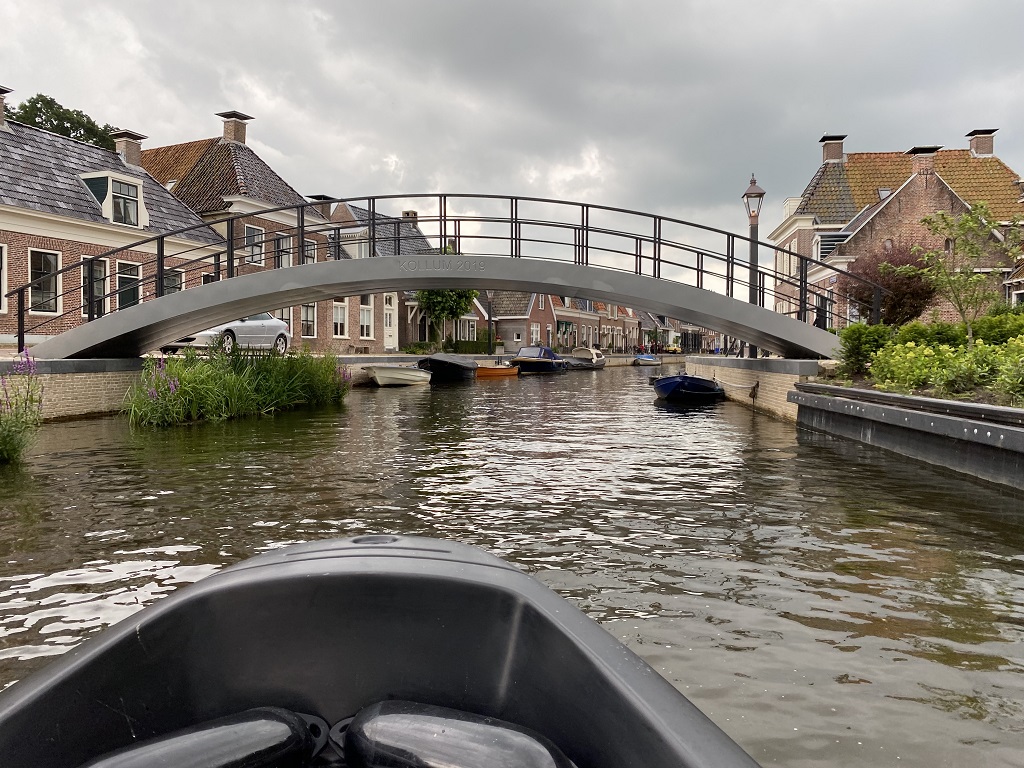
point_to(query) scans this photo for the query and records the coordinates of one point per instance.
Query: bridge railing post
(230, 253)
(21, 319)
(371, 204)
(802, 311)
(730, 265)
(159, 268)
(90, 286)
(300, 247)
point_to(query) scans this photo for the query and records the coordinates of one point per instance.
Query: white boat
(586, 359)
(646, 360)
(397, 375)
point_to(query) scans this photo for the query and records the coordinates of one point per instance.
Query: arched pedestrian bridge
(544, 246)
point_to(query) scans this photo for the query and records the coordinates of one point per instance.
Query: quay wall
(762, 383)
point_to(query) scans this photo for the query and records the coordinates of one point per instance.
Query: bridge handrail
(213, 251)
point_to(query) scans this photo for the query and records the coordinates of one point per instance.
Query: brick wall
(740, 375)
(71, 395)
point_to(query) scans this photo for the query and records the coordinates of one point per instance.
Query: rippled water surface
(825, 603)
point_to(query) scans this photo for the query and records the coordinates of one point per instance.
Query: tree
(967, 272)
(905, 296)
(44, 112)
(445, 305)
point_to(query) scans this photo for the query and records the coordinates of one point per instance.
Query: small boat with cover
(585, 359)
(682, 388)
(397, 375)
(447, 367)
(646, 360)
(539, 360)
(372, 652)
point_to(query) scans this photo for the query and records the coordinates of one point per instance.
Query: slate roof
(208, 170)
(511, 303)
(412, 238)
(40, 171)
(839, 191)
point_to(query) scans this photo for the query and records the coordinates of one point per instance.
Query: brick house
(860, 203)
(62, 200)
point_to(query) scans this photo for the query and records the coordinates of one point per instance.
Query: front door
(390, 329)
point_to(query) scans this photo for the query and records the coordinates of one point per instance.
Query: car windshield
(261, 316)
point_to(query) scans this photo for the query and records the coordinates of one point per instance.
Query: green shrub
(1009, 378)
(932, 334)
(904, 367)
(21, 409)
(227, 386)
(858, 343)
(967, 369)
(998, 329)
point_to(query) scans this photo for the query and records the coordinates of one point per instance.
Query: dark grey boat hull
(329, 627)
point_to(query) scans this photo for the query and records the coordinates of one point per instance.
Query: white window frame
(282, 250)
(343, 306)
(540, 299)
(367, 308)
(253, 238)
(467, 329)
(303, 309)
(535, 333)
(181, 280)
(117, 281)
(59, 283)
(309, 251)
(107, 206)
(517, 338)
(133, 200)
(284, 314)
(105, 286)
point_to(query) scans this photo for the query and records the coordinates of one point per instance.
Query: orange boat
(496, 371)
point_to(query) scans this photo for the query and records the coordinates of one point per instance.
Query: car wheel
(227, 342)
(281, 344)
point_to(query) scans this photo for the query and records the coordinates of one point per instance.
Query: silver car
(262, 331)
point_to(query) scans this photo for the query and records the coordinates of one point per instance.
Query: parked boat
(646, 360)
(539, 360)
(397, 375)
(585, 359)
(447, 367)
(688, 389)
(496, 371)
(372, 651)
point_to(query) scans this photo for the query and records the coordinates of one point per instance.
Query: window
(100, 303)
(309, 251)
(253, 243)
(125, 198)
(517, 338)
(3, 278)
(43, 269)
(341, 319)
(535, 333)
(128, 294)
(282, 251)
(307, 326)
(549, 334)
(540, 305)
(174, 281)
(284, 313)
(209, 277)
(467, 329)
(366, 316)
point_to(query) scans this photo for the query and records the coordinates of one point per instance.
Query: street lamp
(752, 200)
(490, 323)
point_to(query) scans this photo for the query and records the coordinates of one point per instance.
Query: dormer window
(883, 192)
(126, 203)
(120, 197)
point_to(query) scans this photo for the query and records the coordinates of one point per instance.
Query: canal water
(824, 602)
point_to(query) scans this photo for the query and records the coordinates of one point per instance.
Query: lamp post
(752, 199)
(490, 323)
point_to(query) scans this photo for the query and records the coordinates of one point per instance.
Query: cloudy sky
(663, 107)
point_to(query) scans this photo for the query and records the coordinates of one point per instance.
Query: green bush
(232, 385)
(967, 369)
(998, 329)
(21, 409)
(932, 334)
(858, 343)
(904, 367)
(1009, 378)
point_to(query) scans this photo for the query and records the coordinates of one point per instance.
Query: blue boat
(539, 360)
(688, 389)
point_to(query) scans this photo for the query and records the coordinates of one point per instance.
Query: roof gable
(42, 171)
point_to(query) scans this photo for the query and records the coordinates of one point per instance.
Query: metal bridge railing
(471, 225)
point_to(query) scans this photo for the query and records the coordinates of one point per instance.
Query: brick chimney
(411, 215)
(924, 158)
(323, 205)
(832, 148)
(981, 141)
(3, 118)
(234, 125)
(128, 145)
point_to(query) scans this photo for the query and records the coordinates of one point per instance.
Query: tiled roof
(839, 191)
(41, 171)
(412, 238)
(511, 303)
(209, 170)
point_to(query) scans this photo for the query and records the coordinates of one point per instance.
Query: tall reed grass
(21, 408)
(221, 385)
